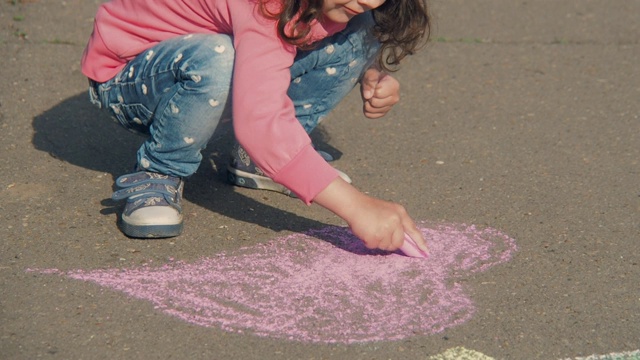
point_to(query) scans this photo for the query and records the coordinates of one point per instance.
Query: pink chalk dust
(321, 286)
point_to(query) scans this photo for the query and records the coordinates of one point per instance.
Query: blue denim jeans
(177, 91)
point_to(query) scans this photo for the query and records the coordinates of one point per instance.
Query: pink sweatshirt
(263, 115)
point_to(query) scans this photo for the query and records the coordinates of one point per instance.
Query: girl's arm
(264, 118)
(379, 224)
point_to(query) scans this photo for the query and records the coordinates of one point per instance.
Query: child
(172, 69)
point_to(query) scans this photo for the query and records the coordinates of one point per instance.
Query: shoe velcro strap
(140, 177)
(145, 183)
(146, 189)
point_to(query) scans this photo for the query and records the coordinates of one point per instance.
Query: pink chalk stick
(411, 249)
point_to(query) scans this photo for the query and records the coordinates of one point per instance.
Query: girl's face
(341, 11)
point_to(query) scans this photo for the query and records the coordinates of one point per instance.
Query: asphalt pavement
(516, 147)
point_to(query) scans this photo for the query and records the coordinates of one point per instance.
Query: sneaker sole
(151, 231)
(253, 181)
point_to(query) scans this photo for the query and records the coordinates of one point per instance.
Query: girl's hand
(380, 92)
(379, 224)
(382, 224)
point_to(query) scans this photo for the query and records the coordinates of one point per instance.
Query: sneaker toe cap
(154, 215)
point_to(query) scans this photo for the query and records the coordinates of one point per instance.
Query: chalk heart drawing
(321, 286)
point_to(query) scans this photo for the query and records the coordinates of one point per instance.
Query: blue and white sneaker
(243, 172)
(153, 208)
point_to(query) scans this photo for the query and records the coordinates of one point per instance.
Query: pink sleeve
(263, 115)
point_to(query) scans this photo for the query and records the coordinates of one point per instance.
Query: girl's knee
(360, 35)
(207, 64)
(211, 51)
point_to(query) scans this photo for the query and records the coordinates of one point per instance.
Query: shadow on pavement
(76, 132)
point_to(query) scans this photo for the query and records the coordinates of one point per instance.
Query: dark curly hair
(401, 25)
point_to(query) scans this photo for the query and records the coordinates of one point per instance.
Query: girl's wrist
(341, 198)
